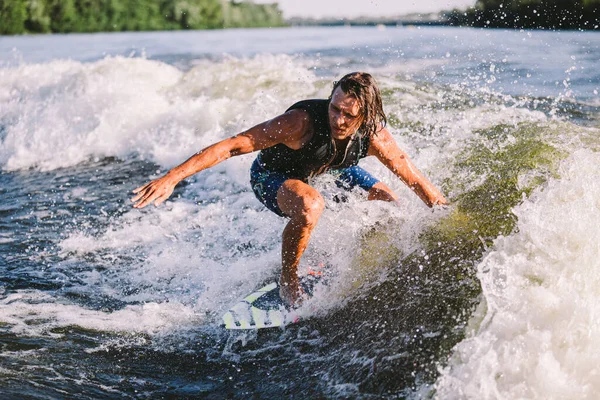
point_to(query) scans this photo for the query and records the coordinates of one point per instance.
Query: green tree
(139, 15)
(115, 15)
(195, 14)
(90, 16)
(38, 19)
(63, 15)
(248, 14)
(18, 16)
(544, 14)
(13, 14)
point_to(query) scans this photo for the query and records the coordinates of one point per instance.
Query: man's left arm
(384, 147)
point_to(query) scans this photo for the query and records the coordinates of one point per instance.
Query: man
(310, 138)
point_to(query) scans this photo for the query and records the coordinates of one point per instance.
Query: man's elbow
(241, 148)
(237, 146)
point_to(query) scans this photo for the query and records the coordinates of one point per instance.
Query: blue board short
(265, 183)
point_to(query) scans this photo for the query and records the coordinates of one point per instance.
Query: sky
(356, 8)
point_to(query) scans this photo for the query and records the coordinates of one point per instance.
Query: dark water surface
(98, 300)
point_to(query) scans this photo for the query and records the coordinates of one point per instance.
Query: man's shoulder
(296, 116)
(298, 123)
(309, 105)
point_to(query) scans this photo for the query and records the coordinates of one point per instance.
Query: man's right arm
(385, 148)
(290, 129)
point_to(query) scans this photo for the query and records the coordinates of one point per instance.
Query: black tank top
(320, 153)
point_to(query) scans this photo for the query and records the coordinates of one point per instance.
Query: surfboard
(264, 308)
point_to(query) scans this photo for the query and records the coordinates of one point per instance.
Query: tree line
(65, 16)
(530, 14)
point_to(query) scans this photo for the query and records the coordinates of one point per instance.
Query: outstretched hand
(439, 200)
(158, 191)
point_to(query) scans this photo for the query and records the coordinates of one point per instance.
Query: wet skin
(298, 200)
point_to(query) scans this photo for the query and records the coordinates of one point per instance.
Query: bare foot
(292, 298)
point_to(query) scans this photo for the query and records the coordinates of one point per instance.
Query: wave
(62, 113)
(535, 333)
(405, 281)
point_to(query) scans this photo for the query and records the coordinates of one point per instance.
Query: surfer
(312, 137)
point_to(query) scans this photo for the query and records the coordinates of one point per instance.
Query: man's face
(344, 114)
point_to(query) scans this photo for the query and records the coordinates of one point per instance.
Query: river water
(494, 297)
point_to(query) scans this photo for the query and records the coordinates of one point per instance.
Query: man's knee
(311, 207)
(380, 191)
(301, 202)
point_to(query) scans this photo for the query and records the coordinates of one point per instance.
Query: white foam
(190, 253)
(205, 257)
(192, 262)
(33, 312)
(537, 332)
(61, 113)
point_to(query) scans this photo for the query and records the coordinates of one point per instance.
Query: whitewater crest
(61, 113)
(536, 332)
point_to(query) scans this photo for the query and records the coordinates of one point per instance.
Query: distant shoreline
(82, 16)
(534, 14)
(447, 20)
(434, 19)
(68, 16)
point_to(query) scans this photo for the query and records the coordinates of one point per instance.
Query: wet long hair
(364, 88)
